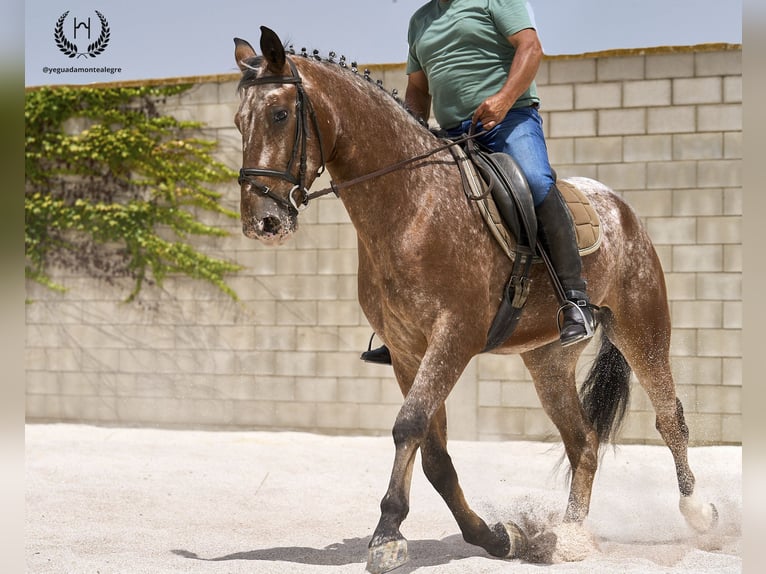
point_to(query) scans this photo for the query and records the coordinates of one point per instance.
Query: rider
(477, 60)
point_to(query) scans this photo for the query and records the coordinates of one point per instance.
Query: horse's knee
(411, 424)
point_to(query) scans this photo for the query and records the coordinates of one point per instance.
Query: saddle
(500, 189)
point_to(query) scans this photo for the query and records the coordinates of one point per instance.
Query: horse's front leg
(501, 540)
(436, 376)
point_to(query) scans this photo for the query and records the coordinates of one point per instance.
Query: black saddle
(510, 191)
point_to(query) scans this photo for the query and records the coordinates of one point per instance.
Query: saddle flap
(511, 194)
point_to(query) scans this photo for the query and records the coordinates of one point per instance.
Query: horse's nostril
(271, 225)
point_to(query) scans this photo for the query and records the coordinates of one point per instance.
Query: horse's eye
(280, 115)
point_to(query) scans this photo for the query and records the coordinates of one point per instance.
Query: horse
(431, 276)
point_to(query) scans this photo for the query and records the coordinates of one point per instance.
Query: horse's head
(275, 118)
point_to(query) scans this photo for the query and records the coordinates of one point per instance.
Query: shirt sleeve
(413, 64)
(510, 16)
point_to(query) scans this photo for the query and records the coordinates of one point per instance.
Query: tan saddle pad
(586, 221)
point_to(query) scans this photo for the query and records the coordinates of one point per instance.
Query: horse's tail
(605, 393)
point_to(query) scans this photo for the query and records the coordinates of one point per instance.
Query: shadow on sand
(423, 553)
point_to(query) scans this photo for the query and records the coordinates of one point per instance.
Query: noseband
(303, 111)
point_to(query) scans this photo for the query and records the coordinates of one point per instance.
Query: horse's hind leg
(502, 540)
(553, 371)
(645, 342)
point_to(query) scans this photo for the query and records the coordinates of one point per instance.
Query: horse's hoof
(519, 541)
(700, 516)
(386, 557)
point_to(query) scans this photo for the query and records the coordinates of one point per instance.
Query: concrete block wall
(662, 127)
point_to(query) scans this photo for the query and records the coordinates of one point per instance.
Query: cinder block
(732, 89)
(719, 286)
(681, 286)
(697, 258)
(318, 236)
(598, 150)
(723, 63)
(621, 68)
(732, 145)
(697, 370)
(271, 338)
(296, 364)
(683, 343)
(672, 230)
(330, 210)
(490, 394)
(703, 428)
(537, 426)
(720, 173)
(696, 314)
(577, 71)
(297, 262)
(647, 148)
(317, 338)
(647, 93)
(519, 394)
(560, 150)
(572, 124)
(719, 400)
(639, 427)
(691, 202)
(732, 371)
(360, 390)
(669, 65)
(732, 258)
(501, 422)
(724, 117)
(719, 343)
(295, 415)
(501, 368)
(622, 122)
(343, 416)
(731, 429)
(650, 203)
(339, 313)
(623, 176)
(296, 313)
(732, 315)
(41, 383)
(719, 230)
(697, 91)
(671, 174)
(316, 390)
(673, 119)
(259, 414)
(338, 262)
(598, 96)
(556, 97)
(377, 417)
(698, 146)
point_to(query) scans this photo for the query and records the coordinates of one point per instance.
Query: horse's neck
(372, 132)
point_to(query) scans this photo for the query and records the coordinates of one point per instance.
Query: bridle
(304, 110)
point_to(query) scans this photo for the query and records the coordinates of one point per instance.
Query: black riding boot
(380, 356)
(557, 234)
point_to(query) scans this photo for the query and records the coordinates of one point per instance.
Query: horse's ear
(273, 50)
(242, 51)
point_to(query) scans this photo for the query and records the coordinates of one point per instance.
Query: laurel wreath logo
(70, 49)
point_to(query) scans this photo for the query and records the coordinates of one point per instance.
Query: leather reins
(303, 107)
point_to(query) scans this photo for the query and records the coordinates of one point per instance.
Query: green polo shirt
(462, 46)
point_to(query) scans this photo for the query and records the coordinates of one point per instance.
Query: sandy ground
(113, 500)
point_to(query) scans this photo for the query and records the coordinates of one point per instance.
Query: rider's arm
(417, 98)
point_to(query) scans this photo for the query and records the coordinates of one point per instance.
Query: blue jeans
(520, 135)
